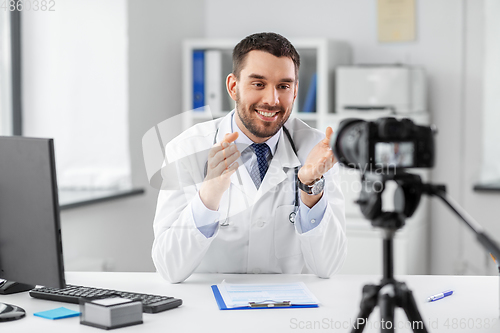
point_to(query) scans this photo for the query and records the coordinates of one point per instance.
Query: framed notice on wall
(396, 20)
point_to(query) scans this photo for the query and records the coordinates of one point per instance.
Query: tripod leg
(387, 304)
(410, 307)
(368, 303)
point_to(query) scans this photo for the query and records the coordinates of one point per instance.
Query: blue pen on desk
(440, 295)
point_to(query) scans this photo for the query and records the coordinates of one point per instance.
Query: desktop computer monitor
(30, 233)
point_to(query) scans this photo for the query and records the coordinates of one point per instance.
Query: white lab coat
(259, 237)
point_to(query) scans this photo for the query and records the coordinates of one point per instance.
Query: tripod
(390, 293)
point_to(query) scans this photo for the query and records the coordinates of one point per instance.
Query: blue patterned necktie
(259, 170)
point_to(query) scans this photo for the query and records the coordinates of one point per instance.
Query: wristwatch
(314, 188)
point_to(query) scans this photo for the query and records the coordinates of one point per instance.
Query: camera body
(387, 143)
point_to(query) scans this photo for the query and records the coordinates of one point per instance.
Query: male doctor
(259, 192)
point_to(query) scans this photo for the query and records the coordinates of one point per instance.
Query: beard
(254, 125)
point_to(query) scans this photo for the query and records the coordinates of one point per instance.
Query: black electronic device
(30, 234)
(72, 294)
(387, 143)
(369, 147)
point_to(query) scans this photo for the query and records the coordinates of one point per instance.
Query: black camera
(387, 143)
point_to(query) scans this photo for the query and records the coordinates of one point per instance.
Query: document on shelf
(235, 296)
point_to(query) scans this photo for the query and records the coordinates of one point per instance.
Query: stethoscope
(293, 214)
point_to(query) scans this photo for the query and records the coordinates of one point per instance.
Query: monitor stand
(10, 312)
(11, 287)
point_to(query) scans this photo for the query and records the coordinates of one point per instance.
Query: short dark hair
(269, 42)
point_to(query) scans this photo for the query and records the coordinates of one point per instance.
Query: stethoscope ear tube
(293, 214)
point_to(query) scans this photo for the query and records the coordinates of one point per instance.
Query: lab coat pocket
(286, 240)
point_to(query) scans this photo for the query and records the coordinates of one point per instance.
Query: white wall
(449, 47)
(491, 157)
(118, 235)
(484, 207)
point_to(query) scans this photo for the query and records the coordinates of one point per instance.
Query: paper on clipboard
(240, 295)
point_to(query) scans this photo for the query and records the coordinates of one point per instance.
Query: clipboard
(280, 305)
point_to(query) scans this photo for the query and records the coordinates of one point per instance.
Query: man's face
(264, 94)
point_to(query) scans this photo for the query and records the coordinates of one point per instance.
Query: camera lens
(349, 142)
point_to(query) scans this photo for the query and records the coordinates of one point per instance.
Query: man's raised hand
(220, 166)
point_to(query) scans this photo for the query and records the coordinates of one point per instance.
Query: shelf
(77, 198)
(488, 187)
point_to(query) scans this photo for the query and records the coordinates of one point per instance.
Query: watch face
(318, 186)
(313, 189)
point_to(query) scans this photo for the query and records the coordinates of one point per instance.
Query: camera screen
(396, 154)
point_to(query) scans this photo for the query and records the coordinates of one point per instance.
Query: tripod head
(406, 197)
(406, 200)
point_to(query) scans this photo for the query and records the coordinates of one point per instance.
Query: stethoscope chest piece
(291, 217)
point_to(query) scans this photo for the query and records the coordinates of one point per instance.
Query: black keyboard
(72, 294)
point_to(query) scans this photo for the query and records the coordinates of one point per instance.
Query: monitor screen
(30, 234)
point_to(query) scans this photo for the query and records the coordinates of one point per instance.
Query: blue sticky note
(58, 313)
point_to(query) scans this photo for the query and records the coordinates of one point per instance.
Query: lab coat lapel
(284, 157)
(224, 126)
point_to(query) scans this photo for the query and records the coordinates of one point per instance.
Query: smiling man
(268, 99)
(270, 200)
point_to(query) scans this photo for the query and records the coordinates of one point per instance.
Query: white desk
(473, 306)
